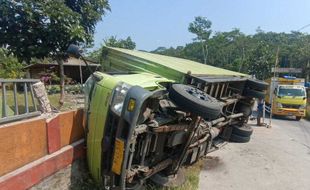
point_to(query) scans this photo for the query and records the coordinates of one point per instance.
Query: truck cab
(288, 96)
(290, 100)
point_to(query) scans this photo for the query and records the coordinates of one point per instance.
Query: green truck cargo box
(117, 59)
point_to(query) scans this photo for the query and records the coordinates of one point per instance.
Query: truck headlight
(118, 98)
(279, 105)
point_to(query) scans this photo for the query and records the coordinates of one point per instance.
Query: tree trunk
(203, 52)
(62, 81)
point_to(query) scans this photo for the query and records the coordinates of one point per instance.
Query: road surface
(276, 158)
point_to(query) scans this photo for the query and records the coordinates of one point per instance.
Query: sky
(157, 23)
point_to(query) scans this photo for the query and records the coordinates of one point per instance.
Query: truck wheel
(245, 109)
(244, 131)
(162, 180)
(195, 101)
(239, 139)
(298, 118)
(254, 93)
(256, 84)
(136, 186)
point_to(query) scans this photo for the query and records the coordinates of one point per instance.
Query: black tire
(245, 109)
(298, 118)
(244, 131)
(136, 186)
(239, 139)
(256, 85)
(195, 101)
(254, 93)
(162, 180)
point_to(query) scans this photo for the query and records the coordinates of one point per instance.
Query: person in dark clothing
(260, 110)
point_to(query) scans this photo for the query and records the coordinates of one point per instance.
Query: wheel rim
(197, 93)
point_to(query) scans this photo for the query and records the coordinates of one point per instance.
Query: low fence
(29, 140)
(20, 87)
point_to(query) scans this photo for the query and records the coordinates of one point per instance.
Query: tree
(201, 28)
(43, 28)
(111, 42)
(10, 67)
(260, 61)
(120, 43)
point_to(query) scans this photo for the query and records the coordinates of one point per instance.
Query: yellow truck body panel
(287, 96)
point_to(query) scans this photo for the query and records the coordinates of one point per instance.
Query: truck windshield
(291, 92)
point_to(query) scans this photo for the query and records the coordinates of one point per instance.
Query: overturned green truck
(149, 114)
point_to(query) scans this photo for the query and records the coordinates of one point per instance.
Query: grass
(54, 98)
(20, 100)
(191, 181)
(84, 181)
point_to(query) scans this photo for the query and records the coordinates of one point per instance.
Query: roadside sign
(286, 70)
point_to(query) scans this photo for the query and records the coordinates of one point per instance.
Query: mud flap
(226, 133)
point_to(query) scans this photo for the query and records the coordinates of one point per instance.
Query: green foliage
(120, 43)
(53, 89)
(112, 42)
(252, 54)
(260, 61)
(201, 27)
(40, 28)
(10, 67)
(95, 54)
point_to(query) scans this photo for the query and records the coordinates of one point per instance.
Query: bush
(73, 89)
(53, 89)
(10, 67)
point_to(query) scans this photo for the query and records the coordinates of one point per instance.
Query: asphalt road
(276, 158)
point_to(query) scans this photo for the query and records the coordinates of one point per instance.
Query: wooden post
(81, 73)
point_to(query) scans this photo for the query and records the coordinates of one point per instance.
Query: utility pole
(308, 71)
(271, 93)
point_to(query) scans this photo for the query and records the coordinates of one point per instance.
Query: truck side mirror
(74, 51)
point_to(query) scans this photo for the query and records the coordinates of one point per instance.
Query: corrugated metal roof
(179, 64)
(69, 62)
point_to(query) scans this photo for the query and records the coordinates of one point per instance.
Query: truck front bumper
(290, 112)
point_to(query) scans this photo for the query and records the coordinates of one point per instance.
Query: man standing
(260, 110)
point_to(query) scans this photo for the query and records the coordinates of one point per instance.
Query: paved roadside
(276, 158)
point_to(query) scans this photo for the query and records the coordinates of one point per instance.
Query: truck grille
(290, 106)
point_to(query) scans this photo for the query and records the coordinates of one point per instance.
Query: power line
(303, 27)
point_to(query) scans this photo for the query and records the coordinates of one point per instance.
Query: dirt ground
(276, 158)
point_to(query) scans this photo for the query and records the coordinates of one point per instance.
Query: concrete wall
(22, 143)
(36, 148)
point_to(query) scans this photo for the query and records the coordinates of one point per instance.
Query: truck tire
(195, 101)
(239, 139)
(244, 130)
(254, 93)
(298, 118)
(256, 84)
(245, 109)
(135, 187)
